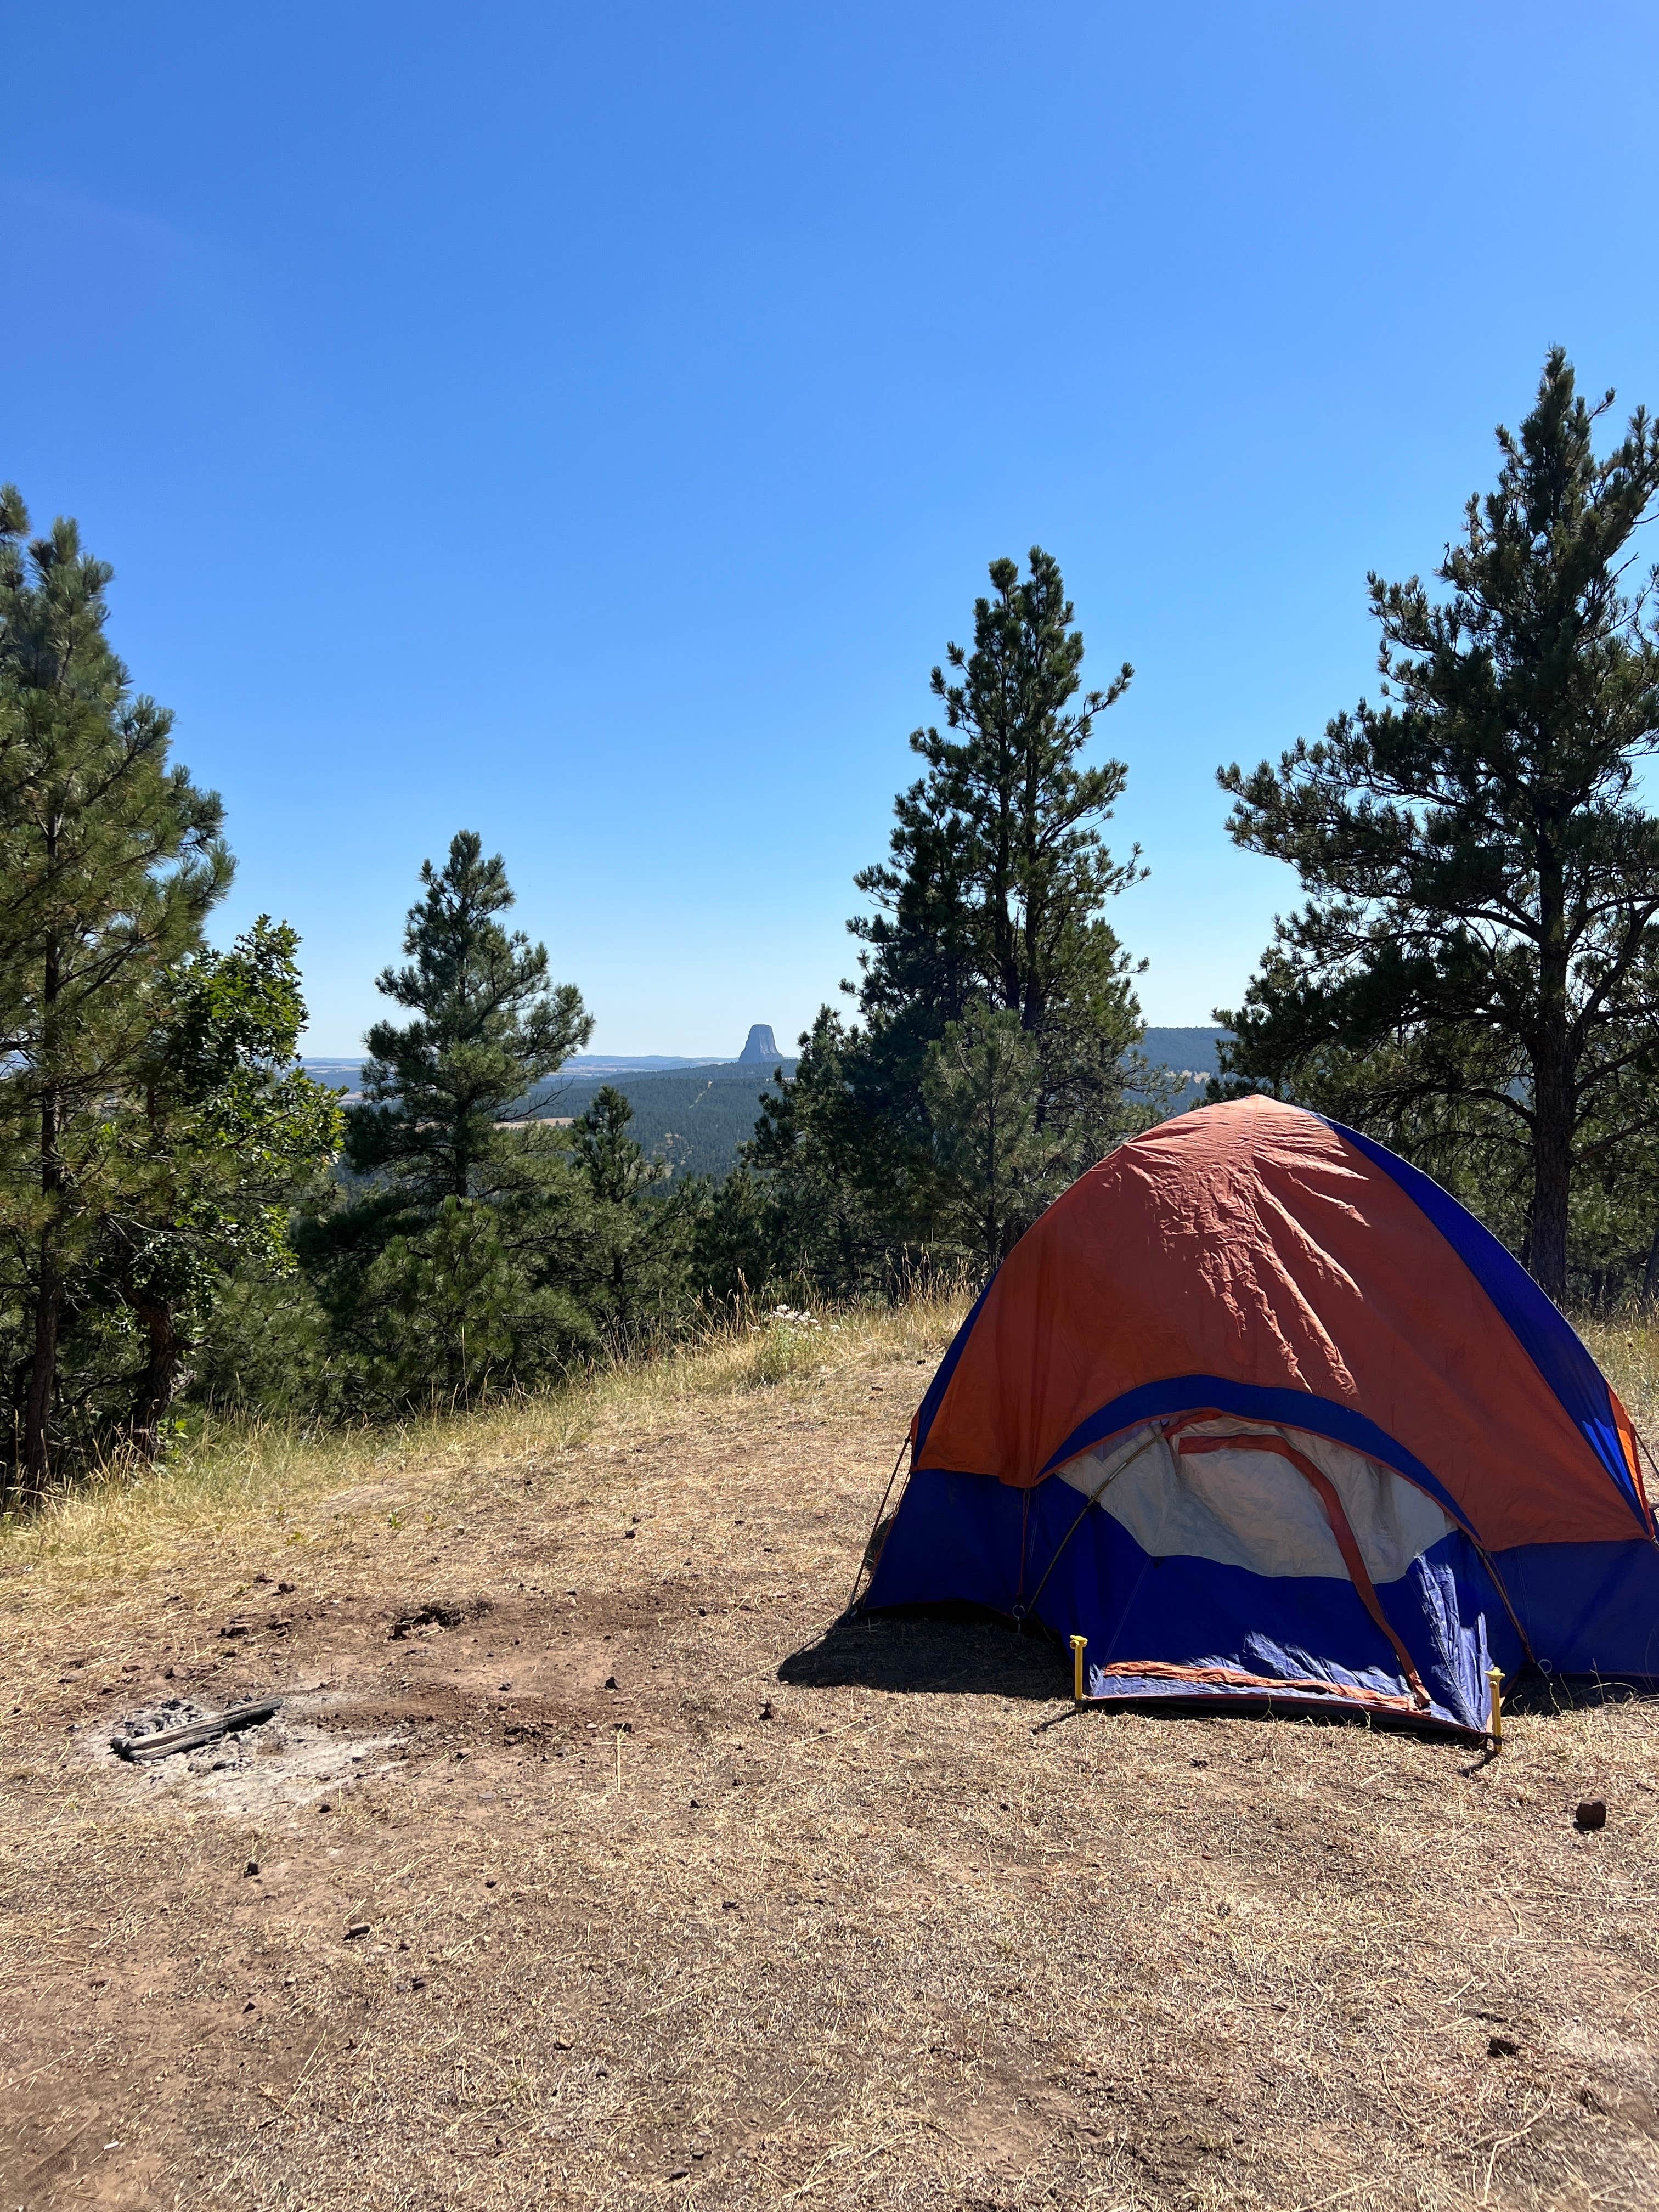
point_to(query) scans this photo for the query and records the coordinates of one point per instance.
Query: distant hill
(345, 1075)
(1189, 1054)
(599, 1063)
(695, 1114)
(695, 1117)
(1192, 1051)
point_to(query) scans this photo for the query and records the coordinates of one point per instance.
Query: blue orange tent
(1262, 1411)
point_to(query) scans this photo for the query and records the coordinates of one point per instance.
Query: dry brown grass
(1628, 1352)
(240, 1483)
(920, 1939)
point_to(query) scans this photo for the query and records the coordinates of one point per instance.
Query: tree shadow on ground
(1540, 1697)
(939, 1648)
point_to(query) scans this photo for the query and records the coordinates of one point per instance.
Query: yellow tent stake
(1078, 1645)
(1495, 1724)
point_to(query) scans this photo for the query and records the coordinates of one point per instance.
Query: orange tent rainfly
(1259, 1410)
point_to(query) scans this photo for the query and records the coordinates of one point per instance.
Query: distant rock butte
(762, 1044)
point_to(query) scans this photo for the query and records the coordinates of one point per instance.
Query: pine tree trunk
(159, 1380)
(49, 1279)
(48, 1323)
(1552, 1096)
(43, 1370)
(1552, 1178)
(1650, 1272)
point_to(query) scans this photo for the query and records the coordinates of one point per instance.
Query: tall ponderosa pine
(989, 913)
(1479, 957)
(490, 1026)
(998, 873)
(110, 860)
(449, 1272)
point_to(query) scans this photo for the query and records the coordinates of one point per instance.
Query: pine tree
(110, 860)
(980, 1085)
(489, 1027)
(998, 872)
(1479, 957)
(219, 1131)
(631, 1260)
(452, 1268)
(988, 920)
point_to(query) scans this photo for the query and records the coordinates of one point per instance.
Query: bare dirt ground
(643, 1883)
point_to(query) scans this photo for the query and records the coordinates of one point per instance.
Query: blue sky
(588, 426)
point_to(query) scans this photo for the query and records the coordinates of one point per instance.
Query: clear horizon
(589, 429)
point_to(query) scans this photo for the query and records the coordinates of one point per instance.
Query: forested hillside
(695, 1117)
(694, 1120)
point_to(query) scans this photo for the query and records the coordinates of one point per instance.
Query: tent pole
(881, 1509)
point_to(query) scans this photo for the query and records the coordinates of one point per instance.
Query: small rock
(611, 1682)
(628, 1535)
(248, 2007)
(417, 1981)
(252, 1867)
(325, 1807)
(680, 2172)
(1501, 2046)
(1592, 1814)
(490, 1882)
(766, 1712)
(729, 1904)
(357, 1928)
(695, 1806)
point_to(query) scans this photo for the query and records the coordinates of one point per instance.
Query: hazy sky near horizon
(588, 426)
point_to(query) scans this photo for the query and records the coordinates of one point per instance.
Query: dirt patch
(437, 1612)
(672, 1890)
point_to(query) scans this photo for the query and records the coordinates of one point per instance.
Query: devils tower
(762, 1044)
